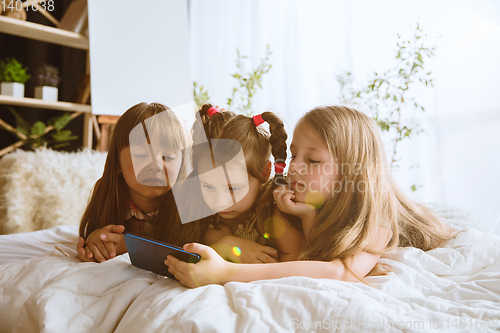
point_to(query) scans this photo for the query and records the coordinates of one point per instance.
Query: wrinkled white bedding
(455, 288)
(43, 288)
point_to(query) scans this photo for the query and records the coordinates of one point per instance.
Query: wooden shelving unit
(43, 33)
(38, 103)
(57, 36)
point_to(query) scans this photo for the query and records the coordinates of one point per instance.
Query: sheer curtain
(313, 41)
(305, 51)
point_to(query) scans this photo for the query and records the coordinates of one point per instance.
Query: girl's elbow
(342, 273)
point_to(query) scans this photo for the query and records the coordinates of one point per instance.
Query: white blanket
(455, 288)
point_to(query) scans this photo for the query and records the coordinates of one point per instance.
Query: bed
(44, 288)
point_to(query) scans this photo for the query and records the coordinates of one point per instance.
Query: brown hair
(347, 222)
(109, 199)
(256, 142)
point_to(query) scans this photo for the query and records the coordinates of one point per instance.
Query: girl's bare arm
(285, 238)
(213, 269)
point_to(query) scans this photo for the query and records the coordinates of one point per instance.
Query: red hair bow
(212, 111)
(279, 167)
(258, 119)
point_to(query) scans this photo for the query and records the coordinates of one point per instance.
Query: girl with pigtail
(217, 138)
(342, 198)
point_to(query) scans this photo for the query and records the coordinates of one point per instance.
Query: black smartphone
(150, 254)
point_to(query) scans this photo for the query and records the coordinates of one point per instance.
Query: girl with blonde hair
(343, 199)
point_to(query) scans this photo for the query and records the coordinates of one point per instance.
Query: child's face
(229, 198)
(149, 176)
(313, 171)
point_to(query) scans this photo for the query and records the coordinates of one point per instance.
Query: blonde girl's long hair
(366, 195)
(109, 199)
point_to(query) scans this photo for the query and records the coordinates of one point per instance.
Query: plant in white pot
(48, 78)
(13, 76)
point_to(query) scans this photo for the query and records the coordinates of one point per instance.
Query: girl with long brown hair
(145, 160)
(343, 199)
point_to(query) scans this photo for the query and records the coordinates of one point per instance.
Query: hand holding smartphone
(150, 254)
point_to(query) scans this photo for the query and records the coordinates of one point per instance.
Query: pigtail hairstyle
(265, 205)
(209, 127)
(190, 199)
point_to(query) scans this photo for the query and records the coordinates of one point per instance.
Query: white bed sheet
(455, 288)
(57, 241)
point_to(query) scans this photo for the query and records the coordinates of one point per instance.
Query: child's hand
(284, 200)
(243, 250)
(210, 269)
(106, 243)
(212, 235)
(80, 250)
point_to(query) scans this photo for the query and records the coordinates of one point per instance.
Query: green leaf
(60, 122)
(21, 125)
(61, 135)
(38, 128)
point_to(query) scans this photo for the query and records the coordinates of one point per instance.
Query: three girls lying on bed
(337, 211)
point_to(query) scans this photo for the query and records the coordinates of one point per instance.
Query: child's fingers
(118, 228)
(175, 266)
(110, 248)
(88, 252)
(202, 250)
(287, 202)
(271, 251)
(85, 256)
(97, 252)
(80, 250)
(111, 237)
(80, 246)
(103, 249)
(280, 192)
(183, 278)
(283, 201)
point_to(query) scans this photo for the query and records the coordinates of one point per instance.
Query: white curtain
(313, 41)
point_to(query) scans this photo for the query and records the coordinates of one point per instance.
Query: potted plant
(13, 76)
(48, 78)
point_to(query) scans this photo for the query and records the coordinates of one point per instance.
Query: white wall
(139, 53)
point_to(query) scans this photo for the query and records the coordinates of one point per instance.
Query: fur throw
(46, 188)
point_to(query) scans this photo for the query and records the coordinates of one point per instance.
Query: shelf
(38, 103)
(43, 33)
